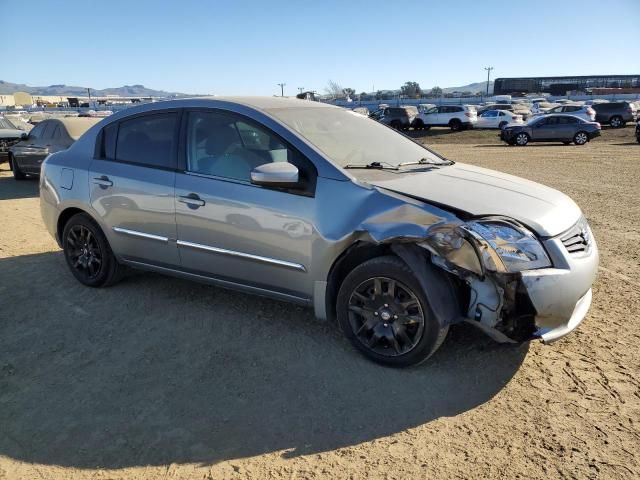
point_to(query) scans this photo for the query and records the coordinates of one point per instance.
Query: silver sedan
(321, 206)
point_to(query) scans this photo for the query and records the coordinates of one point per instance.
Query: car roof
(265, 103)
(75, 126)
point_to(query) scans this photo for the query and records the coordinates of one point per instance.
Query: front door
(229, 228)
(132, 187)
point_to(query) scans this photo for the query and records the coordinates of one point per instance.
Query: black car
(638, 131)
(551, 128)
(9, 136)
(616, 114)
(48, 136)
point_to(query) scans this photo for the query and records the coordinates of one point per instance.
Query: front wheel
(88, 253)
(522, 139)
(17, 173)
(384, 312)
(580, 138)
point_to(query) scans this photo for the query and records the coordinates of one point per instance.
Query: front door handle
(192, 200)
(103, 181)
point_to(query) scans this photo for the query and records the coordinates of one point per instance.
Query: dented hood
(479, 191)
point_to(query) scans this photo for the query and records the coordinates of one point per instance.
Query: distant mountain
(472, 87)
(67, 90)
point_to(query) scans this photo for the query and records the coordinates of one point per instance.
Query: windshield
(348, 138)
(5, 123)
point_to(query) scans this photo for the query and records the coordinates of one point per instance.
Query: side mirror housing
(24, 135)
(276, 174)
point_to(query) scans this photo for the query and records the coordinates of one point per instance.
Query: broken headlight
(515, 247)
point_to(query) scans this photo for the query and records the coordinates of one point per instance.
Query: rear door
(132, 186)
(488, 119)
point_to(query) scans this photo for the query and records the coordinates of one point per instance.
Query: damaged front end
(484, 258)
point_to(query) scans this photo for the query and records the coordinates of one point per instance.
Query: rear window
(149, 140)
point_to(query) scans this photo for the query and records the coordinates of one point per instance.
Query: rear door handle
(192, 201)
(103, 181)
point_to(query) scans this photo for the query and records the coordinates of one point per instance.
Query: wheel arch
(351, 257)
(65, 216)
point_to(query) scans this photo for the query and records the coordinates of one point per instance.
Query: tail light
(590, 111)
(598, 126)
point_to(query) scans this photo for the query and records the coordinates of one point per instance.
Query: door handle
(192, 201)
(103, 181)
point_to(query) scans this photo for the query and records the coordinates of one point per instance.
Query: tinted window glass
(36, 132)
(149, 140)
(225, 145)
(49, 127)
(567, 120)
(552, 121)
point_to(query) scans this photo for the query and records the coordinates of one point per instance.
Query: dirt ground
(162, 378)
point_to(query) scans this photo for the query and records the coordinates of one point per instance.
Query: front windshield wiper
(388, 166)
(426, 161)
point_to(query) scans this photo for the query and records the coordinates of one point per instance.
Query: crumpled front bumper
(561, 295)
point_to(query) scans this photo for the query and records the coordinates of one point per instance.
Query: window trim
(307, 165)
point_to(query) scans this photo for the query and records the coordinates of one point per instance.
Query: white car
(497, 119)
(585, 112)
(456, 117)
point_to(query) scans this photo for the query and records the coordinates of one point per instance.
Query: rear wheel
(455, 125)
(17, 173)
(616, 122)
(502, 125)
(522, 139)
(580, 138)
(418, 125)
(395, 124)
(88, 253)
(384, 312)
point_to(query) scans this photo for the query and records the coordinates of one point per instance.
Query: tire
(501, 125)
(521, 139)
(397, 330)
(566, 143)
(616, 122)
(395, 124)
(17, 173)
(455, 125)
(638, 138)
(418, 125)
(427, 127)
(89, 255)
(580, 138)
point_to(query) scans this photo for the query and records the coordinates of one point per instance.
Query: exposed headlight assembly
(510, 247)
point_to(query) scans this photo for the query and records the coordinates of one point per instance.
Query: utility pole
(281, 85)
(300, 89)
(89, 92)
(488, 69)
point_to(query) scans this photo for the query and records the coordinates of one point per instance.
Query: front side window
(226, 145)
(47, 133)
(149, 140)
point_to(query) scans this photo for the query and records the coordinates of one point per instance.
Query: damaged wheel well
(353, 256)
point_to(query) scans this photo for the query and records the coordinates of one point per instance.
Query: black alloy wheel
(384, 311)
(88, 253)
(386, 316)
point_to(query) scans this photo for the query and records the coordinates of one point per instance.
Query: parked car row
(49, 136)
(498, 115)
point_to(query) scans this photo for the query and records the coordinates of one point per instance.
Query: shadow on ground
(156, 370)
(12, 189)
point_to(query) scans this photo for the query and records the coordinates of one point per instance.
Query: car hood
(479, 191)
(10, 133)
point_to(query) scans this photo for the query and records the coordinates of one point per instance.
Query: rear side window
(109, 136)
(149, 140)
(36, 132)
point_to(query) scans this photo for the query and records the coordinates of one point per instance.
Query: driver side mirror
(276, 174)
(24, 135)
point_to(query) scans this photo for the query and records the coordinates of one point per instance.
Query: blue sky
(247, 47)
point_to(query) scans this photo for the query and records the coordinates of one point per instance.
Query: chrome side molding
(135, 233)
(248, 256)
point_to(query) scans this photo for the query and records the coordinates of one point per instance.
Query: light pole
(300, 89)
(488, 69)
(281, 85)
